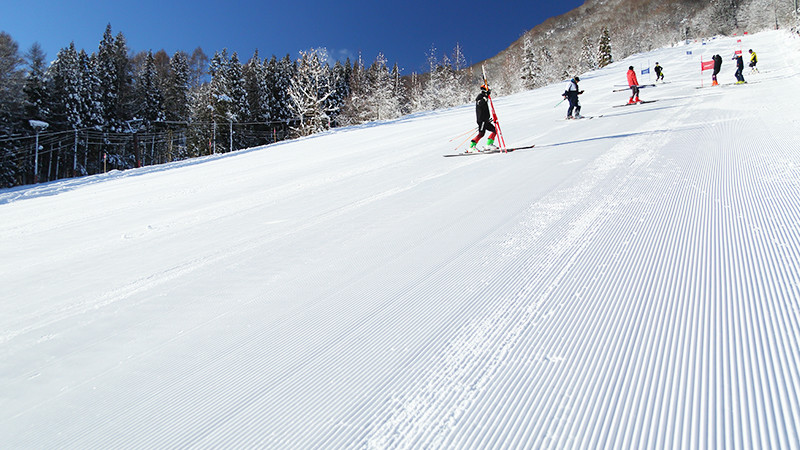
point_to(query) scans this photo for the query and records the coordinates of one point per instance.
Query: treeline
(112, 109)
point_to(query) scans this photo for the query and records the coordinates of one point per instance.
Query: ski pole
(460, 135)
(494, 114)
(496, 122)
(562, 101)
(462, 142)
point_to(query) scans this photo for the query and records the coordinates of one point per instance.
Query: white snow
(631, 282)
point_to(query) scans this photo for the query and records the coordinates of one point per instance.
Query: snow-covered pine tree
(177, 96)
(177, 106)
(66, 101)
(337, 100)
(228, 97)
(240, 108)
(12, 79)
(383, 104)
(35, 84)
(218, 96)
(724, 16)
(201, 138)
(461, 83)
(530, 67)
(432, 90)
(509, 80)
(281, 75)
(217, 69)
(448, 85)
(354, 108)
(398, 89)
(258, 92)
(549, 70)
(149, 97)
(125, 103)
(604, 57)
(65, 105)
(270, 101)
(92, 115)
(416, 93)
(110, 82)
(588, 59)
(309, 91)
(269, 104)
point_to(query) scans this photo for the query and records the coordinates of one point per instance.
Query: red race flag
(706, 65)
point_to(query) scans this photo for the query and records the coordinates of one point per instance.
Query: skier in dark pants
(659, 73)
(717, 66)
(572, 94)
(634, 85)
(739, 69)
(484, 121)
(753, 61)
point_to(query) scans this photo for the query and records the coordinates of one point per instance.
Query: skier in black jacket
(739, 69)
(572, 94)
(717, 66)
(659, 72)
(484, 121)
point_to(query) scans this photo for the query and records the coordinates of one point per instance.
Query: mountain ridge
(566, 45)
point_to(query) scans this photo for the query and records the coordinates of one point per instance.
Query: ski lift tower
(38, 126)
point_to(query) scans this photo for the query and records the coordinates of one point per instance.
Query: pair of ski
(490, 151)
(583, 117)
(637, 103)
(641, 86)
(503, 149)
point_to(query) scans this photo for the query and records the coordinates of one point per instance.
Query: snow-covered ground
(631, 282)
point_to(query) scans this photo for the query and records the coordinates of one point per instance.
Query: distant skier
(739, 68)
(572, 94)
(634, 84)
(753, 61)
(659, 73)
(717, 66)
(484, 121)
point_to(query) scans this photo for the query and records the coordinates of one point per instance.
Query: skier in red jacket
(634, 84)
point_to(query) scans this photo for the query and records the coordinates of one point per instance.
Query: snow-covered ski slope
(631, 282)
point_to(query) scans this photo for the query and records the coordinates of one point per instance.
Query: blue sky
(403, 31)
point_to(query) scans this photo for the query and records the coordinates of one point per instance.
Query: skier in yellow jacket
(753, 61)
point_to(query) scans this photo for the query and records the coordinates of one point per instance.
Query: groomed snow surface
(631, 282)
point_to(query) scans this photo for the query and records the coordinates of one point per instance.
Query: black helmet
(630, 68)
(577, 78)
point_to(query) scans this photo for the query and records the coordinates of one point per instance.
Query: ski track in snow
(475, 356)
(631, 282)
